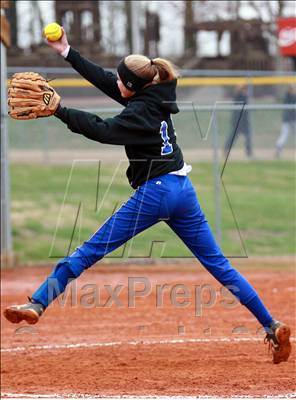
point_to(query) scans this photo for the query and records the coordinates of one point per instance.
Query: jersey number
(167, 147)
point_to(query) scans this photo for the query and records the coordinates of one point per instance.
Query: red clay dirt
(144, 361)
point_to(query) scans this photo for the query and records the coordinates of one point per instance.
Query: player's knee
(70, 266)
(81, 259)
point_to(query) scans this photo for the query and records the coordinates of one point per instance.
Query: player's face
(123, 90)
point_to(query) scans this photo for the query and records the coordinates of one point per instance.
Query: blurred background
(58, 187)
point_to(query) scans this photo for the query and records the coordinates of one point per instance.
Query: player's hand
(59, 45)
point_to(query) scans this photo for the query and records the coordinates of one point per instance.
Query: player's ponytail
(165, 70)
(156, 70)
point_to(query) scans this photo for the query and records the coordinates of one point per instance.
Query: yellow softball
(53, 32)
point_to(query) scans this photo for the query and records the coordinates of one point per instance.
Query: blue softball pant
(168, 198)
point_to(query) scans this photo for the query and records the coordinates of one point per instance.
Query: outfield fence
(205, 85)
(49, 140)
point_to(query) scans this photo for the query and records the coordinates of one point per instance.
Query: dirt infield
(185, 340)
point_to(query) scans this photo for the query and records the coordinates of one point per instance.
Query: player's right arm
(96, 75)
(127, 128)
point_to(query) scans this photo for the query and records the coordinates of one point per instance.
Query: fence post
(45, 138)
(217, 178)
(6, 238)
(135, 10)
(250, 94)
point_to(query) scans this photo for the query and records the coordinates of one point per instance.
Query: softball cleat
(29, 312)
(278, 339)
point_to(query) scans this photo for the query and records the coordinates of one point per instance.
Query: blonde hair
(158, 69)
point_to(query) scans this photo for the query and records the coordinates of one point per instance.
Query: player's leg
(196, 234)
(248, 142)
(137, 214)
(191, 226)
(230, 141)
(285, 130)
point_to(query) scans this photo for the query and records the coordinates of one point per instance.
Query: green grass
(262, 196)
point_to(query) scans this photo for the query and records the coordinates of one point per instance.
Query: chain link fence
(49, 140)
(199, 93)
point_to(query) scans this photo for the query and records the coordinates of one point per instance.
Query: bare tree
(271, 12)
(189, 35)
(128, 32)
(36, 16)
(12, 18)
(281, 5)
(115, 41)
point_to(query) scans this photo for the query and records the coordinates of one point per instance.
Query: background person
(240, 122)
(288, 121)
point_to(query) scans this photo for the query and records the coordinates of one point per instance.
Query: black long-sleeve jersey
(144, 126)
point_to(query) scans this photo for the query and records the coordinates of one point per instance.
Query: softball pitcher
(147, 90)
